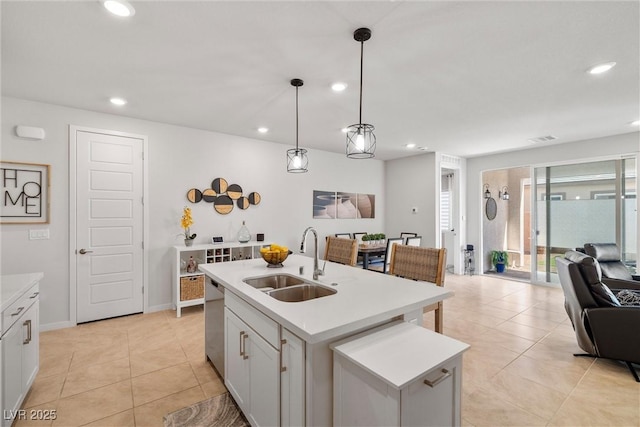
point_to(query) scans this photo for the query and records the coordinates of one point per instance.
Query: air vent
(450, 160)
(542, 139)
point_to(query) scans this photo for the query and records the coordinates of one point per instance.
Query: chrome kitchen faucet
(316, 270)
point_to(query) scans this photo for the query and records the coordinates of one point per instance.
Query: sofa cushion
(590, 271)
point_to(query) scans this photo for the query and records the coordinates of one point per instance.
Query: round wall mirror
(491, 208)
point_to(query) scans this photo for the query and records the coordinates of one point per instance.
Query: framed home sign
(25, 193)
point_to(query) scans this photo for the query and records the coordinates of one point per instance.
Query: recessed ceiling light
(119, 7)
(263, 130)
(601, 68)
(118, 101)
(338, 86)
(411, 145)
(344, 130)
(636, 123)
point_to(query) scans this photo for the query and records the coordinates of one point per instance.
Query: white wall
(573, 152)
(412, 182)
(179, 158)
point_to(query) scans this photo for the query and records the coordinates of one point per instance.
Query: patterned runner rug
(218, 411)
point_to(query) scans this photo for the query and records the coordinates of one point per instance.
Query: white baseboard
(56, 325)
(69, 324)
(161, 307)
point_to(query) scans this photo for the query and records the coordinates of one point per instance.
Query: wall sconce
(503, 193)
(487, 193)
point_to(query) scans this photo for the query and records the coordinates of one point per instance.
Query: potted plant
(499, 260)
(186, 222)
(366, 239)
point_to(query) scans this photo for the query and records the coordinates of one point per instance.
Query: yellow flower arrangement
(186, 222)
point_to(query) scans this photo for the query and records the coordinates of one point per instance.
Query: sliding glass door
(583, 203)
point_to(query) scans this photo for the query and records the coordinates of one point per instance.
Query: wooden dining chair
(405, 234)
(424, 264)
(413, 240)
(358, 236)
(391, 242)
(343, 235)
(341, 250)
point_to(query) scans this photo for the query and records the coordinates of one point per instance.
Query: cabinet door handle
(35, 294)
(245, 356)
(27, 323)
(282, 344)
(18, 311)
(84, 251)
(241, 346)
(445, 374)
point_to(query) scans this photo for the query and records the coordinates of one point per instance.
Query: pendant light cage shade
(297, 160)
(361, 141)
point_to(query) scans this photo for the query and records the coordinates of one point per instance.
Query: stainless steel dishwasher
(214, 324)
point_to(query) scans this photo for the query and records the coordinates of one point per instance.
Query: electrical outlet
(39, 234)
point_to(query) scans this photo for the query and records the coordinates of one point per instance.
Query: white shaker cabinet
(264, 366)
(20, 348)
(292, 380)
(399, 374)
(236, 367)
(252, 361)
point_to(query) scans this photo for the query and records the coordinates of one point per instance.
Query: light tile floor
(520, 371)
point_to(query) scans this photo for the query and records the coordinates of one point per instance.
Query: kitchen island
(295, 336)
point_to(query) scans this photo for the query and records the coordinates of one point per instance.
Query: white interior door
(109, 225)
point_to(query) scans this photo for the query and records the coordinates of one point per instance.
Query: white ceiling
(465, 78)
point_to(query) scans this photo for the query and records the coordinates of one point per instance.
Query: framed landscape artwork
(25, 193)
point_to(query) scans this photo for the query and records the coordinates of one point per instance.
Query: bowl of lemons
(274, 255)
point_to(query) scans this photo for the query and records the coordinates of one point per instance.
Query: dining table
(368, 250)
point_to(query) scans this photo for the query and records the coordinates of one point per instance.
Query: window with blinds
(445, 210)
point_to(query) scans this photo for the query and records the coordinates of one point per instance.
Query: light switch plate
(39, 234)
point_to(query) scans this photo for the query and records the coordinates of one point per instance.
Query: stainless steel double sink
(288, 288)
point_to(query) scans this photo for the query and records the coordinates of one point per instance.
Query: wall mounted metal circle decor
(254, 198)
(243, 202)
(219, 185)
(194, 195)
(223, 196)
(209, 195)
(234, 191)
(223, 204)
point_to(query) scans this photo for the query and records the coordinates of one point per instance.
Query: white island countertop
(364, 297)
(14, 285)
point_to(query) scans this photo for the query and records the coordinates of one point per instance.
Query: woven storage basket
(191, 287)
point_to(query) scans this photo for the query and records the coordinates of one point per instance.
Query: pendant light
(297, 160)
(361, 141)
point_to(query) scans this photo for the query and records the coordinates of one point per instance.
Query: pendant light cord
(361, 68)
(296, 119)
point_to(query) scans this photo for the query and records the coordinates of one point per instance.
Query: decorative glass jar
(243, 234)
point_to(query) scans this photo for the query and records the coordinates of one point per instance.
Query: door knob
(84, 251)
